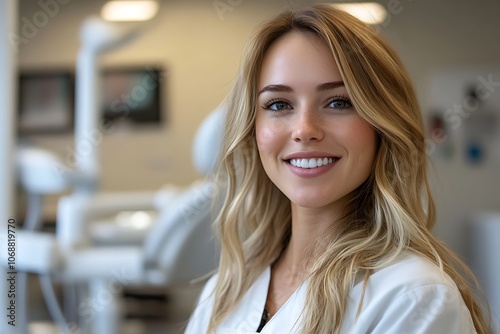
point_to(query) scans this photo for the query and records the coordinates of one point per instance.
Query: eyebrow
(288, 89)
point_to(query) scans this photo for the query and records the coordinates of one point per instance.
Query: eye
(277, 105)
(340, 103)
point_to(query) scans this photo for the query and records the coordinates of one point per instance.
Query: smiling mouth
(312, 163)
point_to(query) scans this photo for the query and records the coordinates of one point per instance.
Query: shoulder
(411, 271)
(410, 274)
(410, 295)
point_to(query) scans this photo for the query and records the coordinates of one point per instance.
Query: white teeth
(312, 163)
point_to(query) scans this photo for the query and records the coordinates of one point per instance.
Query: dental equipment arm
(97, 37)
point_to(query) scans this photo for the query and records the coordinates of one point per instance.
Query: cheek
(360, 137)
(366, 142)
(266, 138)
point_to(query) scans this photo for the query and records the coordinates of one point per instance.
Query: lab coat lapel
(288, 317)
(246, 318)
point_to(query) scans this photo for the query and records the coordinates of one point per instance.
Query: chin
(310, 202)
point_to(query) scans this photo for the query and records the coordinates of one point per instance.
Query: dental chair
(177, 248)
(127, 218)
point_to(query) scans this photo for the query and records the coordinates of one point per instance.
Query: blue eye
(277, 105)
(340, 103)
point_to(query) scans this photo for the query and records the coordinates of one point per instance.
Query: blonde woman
(325, 226)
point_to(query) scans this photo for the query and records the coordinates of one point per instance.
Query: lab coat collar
(248, 314)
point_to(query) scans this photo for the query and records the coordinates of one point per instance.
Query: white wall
(201, 53)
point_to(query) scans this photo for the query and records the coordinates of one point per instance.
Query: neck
(309, 227)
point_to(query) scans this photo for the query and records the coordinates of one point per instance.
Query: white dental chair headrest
(40, 171)
(207, 144)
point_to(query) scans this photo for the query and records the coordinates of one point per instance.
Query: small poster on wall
(46, 102)
(463, 117)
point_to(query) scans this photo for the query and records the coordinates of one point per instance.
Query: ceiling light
(368, 12)
(129, 10)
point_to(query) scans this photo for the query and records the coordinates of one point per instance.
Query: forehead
(298, 57)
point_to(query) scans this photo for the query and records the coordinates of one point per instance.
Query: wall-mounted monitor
(129, 94)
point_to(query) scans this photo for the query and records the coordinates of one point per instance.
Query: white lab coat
(409, 296)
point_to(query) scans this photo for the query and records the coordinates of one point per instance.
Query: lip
(310, 172)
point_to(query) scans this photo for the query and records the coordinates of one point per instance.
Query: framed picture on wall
(46, 102)
(132, 95)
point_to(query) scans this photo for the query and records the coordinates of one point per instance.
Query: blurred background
(159, 87)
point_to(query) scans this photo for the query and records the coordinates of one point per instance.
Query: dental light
(368, 12)
(129, 10)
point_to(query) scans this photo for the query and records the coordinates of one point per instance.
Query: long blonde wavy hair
(390, 213)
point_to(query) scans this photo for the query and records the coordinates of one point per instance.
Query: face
(313, 144)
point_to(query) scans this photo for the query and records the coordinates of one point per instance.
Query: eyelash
(343, 99)
(267, 105)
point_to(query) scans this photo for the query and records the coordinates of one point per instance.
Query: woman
(325, 226)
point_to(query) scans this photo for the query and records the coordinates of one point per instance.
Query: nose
(307, 126)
